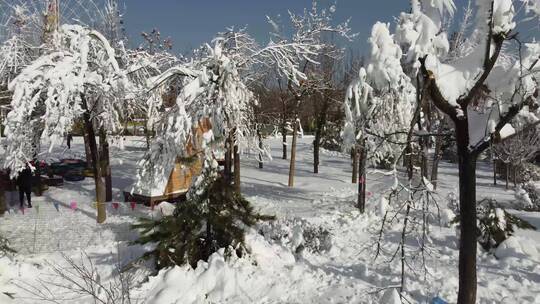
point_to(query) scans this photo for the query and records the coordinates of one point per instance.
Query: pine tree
(214, 216)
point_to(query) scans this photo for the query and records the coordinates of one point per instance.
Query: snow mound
(211, 281)
(225, 277)
(390, 296)
(517, 247)
(163, 209)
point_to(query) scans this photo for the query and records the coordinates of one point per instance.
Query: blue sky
(190, 23)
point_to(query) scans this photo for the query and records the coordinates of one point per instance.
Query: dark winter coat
(24, 180)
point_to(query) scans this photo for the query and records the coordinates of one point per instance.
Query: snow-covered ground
(336, 266)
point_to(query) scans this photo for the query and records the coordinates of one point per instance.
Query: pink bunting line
(74, 206)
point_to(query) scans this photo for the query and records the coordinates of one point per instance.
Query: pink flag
(132, 205)
(369, 194)
(73, 206)
(115, 206)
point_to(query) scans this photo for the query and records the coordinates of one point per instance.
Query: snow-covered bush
(4, 247)
(331, 137)
(495, 225)
(297, 235)
(519, 248)
(532, 191)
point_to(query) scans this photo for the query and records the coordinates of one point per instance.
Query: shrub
(494, 224)
(213, 218)
(298, 235)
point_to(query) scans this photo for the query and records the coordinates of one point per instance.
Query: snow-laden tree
(516, 149)
(213, 105)
(480, 92)
(379, 107)
(212, 90)
(81, 79)
(19, 46)
(313, 28)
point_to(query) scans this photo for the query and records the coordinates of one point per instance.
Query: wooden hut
(179, 175)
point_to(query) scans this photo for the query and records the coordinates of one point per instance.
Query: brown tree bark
(494, 172)
(354, 156)
(105, 163)
(507, 165)
(292, 167)
(284, 127)
(94, 153)
(321, 122)
(284, 137)
(316, 143)
(362, 155)
(236, 169)
(227, 171)
(261, 146)
(3, 205)
(467, 211)
(88, 153)
(436, 159)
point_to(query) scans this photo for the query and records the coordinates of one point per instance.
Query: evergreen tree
(214, 216)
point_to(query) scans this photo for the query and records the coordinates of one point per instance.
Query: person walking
(69, 139)
(24, 182)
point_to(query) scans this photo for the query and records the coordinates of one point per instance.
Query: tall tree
(82, 79)
(479, 93)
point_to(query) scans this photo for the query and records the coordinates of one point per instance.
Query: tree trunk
(147, 134)
(228, 160)
(467, 209)
(236, 169)
(321, 122)
(293, 155)
(362, 155)
(3, 205)
(261, 146)
(284, 136)
(354, 156)
(514, 174)
(507, 174)
(105, 163)
(284, 127)
(436, 158)
(494, 172)
(424, 157)
(408, 161)
(316, 153)
(98, 179)
(88, 153)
